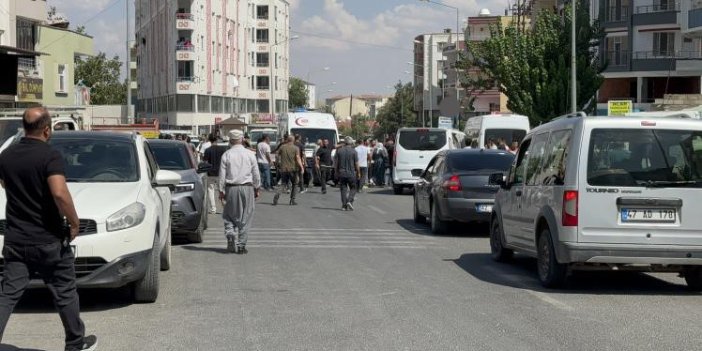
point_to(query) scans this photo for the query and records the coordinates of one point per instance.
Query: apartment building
(429, 73)
(652, 48)
(202, 61)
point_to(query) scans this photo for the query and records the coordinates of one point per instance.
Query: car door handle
(519, 193)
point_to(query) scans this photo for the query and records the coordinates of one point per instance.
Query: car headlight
(184, 187)
(127, 217)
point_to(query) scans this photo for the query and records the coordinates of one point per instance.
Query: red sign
(302, 121)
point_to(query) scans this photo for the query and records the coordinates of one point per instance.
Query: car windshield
(480, 162)
(645, 157)
(508, 135)
(8, 128)
(98, 160)
(172, 156)
(422, 139)
(256, 135)
(310, 135)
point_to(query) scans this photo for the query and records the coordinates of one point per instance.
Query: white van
(609, 193)
(311, 126)
(415, 147)
(509, 127)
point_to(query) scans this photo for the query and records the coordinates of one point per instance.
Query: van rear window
(645, 157)
(422, 139)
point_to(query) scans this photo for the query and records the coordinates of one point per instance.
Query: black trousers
(347, 186)
(324, 175)
(288, 177)
(54, 263)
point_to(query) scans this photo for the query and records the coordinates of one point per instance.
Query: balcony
(185, 52)
(657, 14)
(617, 61)
(186, 85)
(694, 22)
(185, 21)
(616, 16)
(667, 61)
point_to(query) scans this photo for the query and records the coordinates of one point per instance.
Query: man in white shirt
(263, 156)
(204, 146)
(363, 157)
(239, 186)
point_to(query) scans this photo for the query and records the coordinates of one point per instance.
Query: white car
(124, 202)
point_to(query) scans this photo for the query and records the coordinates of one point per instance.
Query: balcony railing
(185, 79)
(185, 47)
(185, 16)
(616, 14)
(263, 87)
(262, 64)
(262, 16)
(670, 6)
(617, 58)
(680, 55)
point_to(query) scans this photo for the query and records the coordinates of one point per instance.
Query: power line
(93, 17)
(350, 41)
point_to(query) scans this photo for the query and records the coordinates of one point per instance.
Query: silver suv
(618, 193)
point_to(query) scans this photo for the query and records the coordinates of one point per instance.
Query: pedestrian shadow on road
(219, 250)
(4, 347)
(91, 300)
(456, 230)
(521, 273)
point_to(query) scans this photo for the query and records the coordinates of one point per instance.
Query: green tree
(297, 92)
(532, 67)
(360, 127)
(397, 112)
(81, 30)
(102, 76)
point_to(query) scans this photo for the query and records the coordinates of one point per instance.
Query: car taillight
(570, 208)
(453, 184)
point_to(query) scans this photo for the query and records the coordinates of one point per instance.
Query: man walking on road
(263, 156)
(324, 164)
(213, 156)
(301, 149)
(363, 157)
(33, 175)
(289, 166)
(239, 184)
(347, 171)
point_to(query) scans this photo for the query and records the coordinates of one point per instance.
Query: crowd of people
(498, 144)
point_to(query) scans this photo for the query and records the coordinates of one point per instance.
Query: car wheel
(166, 254)
(146, 288)
(418, 217)
(693, 278)
(437, 225)
(498, 252)
(196, 236)
(397, 189)
(551, 273)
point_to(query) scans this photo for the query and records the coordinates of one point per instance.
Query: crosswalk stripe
(313, 246)
(323, 241)
(262, 230)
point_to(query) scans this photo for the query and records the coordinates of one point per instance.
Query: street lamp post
(271, 68)
(573, 63)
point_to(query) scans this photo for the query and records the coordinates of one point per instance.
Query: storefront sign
(30, 89)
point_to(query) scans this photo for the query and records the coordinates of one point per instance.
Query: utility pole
(573, 63)
(128, 63)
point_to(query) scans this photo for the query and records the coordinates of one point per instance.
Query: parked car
(123, 201)
(415, 148)
(613, 193)
(455, 187)
(189, 204)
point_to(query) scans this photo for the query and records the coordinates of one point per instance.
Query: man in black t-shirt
(33, 176)
(324, 164)
(213, 156)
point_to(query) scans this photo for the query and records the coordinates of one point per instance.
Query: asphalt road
(318, 278)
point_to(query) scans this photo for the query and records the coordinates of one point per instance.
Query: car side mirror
(204, 167)
(497, 179)
(167, 178)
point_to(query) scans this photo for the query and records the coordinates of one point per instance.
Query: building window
(203, 103)
(217, 104)
(261, 35)
(262, 59)
(663, 44)
(185, 103)
(262, 106)
(26, 32)
(62, 81)
(262, 12)
(263, 83)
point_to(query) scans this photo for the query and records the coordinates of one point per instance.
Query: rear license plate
(652, 215)
(483, 208)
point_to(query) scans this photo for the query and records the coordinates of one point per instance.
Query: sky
(366, 44)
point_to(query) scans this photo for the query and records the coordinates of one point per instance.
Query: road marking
(253, 230)
(319, 246)
(377, 209)
(295, 241)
